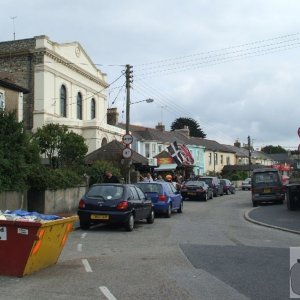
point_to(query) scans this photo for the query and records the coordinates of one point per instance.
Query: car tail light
(162, 198)
(122, 205)
(81, 204)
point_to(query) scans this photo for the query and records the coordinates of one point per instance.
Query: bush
(97, 171)
(42, 178)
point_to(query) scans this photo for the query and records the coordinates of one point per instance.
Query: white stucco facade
(68, 66)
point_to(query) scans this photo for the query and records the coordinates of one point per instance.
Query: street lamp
(128, 103)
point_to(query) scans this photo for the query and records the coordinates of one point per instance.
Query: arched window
(63, 101)
(2, 102)
(93, 109)
(79, 106)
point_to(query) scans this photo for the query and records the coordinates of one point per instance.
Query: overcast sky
(233, 66)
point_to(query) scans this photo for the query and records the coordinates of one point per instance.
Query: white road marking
(83, 235)
(107, 293)
(86, 265)
(79, 247)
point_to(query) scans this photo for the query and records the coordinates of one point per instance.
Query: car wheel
(243, 189)
(254, 203)
(129, 223)
(180, 209)
(211, 195)
(291, 203)
(85, 225)
(205, 198)
(169, 211)
(150, 218)
(228, 192)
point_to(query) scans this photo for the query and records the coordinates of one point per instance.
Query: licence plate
(192, 194)
(267, 191)
(99, 217)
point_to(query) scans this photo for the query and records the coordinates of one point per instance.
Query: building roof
(4, 82)
(113, 152)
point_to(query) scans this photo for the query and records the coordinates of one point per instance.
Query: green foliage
(72, 149)
(63, 148)
(273, 149)
(97, 171)
(193, 126)
(42, 178)
(16, 153)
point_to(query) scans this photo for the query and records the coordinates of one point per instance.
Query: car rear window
(150, 187)
(195, 183)
(206, 180)
(266, 178)
(106, 192)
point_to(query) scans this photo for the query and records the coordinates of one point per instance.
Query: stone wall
(55, 201)
(11, 200)
(18, 58)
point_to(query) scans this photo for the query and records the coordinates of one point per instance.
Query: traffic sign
(127, 139)
(127, 152)
(299, 131)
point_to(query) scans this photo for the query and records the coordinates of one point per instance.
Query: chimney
(112, 116)
(237, 143)
(160, 126)
(185, 130)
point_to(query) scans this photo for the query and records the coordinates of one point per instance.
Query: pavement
(276, 216)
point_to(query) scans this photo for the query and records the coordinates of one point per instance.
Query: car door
(146, 203)
(136, 203)
(176, 197)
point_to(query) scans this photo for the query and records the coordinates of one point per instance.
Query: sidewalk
(275, 216)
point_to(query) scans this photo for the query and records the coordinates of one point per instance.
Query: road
(208, 252)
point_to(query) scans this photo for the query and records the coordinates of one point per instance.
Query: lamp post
(128, 103)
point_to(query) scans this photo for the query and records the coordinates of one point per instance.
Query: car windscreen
(265, 178)
(150, 187)
(106, 192)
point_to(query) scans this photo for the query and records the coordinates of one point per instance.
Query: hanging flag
(187, 155)
(175, 153)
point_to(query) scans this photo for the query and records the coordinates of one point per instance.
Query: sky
(232, 66)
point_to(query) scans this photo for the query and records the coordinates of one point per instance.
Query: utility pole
(129, 76)
(249, 148)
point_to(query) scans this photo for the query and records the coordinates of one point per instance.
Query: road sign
(127, 139)
(127, 152)
(299, 131)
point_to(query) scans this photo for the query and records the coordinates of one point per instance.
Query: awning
(166, 167)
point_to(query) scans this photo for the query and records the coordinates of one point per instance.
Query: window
(79, 106)
(93, 109)
(2, 101)
(160, 148)
(63, 101)
(227, 160)
(147, 150)
(222, 160)
(153, 150)
(210, 158)
(216, 158)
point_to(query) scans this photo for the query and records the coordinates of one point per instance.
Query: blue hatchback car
(164, 196)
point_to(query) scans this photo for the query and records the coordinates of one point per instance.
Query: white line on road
(79, 247)
(107, 293)
(86, 265)
(83, 235)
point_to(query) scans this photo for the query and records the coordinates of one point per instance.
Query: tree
(193, 126)
(72, 150)
(273, 149)
(17, 152)
(49, 139)
(63, 148)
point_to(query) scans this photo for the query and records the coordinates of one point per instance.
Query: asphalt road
(208, 252)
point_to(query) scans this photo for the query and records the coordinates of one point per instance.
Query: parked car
(214, 183)
(267, 186)
(163, 195)
(228, 186)
(195, 189)
(114, 203)
(246, 184)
